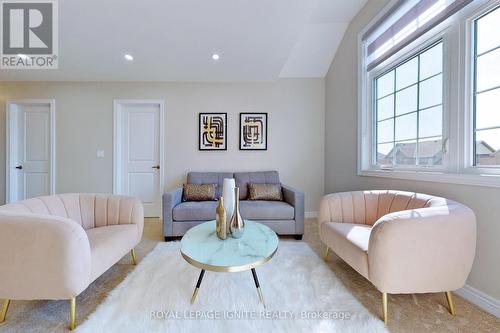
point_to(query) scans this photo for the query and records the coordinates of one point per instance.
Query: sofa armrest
(325, 209)
(42, 257)
(170, 200)
(422, 250)
(296, 199)
(137, 217)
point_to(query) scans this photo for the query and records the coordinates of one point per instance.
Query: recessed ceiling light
(22, 56)
(128, 57)
(215, 56)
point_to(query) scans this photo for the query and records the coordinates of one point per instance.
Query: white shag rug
(302, 294)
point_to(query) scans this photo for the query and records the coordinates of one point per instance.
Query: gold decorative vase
(237, 225)
(220, 220)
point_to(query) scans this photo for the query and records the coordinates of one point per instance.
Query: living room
(355, 146)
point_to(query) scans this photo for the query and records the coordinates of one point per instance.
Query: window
(429, 92)
(409, 111)
(486, 93)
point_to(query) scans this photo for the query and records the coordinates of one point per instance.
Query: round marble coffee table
(201, 247)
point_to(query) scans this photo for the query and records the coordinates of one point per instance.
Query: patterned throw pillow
(196, 192)
(265, 192)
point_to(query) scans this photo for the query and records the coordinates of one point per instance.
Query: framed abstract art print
(253, 131)
(212, 131)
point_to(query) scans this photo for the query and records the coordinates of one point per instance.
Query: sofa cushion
(195, 211)
(199, 192)
(350, 242)
(209, 178)
(265, 192)
(109, 244)
(266, 210)
(261, 177)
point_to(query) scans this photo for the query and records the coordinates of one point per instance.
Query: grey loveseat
(284, 217)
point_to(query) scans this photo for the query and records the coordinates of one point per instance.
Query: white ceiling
(173, 40)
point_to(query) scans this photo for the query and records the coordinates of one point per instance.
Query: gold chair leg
(261, 297)
(327, 252)
(384, 307)
(451, 305)
(195, 293)
(134, 258)
(72, 313)
(5, 308)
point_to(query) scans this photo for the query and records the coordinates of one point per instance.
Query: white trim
(311, 215)
(484, 301)
(468, 99)
(52, 113)
(394, 62)
(117, 134)
(439, 177)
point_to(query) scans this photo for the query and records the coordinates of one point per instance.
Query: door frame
(118, 136)
(11, 145)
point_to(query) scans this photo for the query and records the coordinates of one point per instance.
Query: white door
(139, 152)
(30, 149)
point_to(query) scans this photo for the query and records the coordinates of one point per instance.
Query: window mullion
(474, 98)
(394, 122)
(418, 113)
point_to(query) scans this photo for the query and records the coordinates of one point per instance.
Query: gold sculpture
(220, 220)
(237, 224)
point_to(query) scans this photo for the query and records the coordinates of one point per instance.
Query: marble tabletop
(201, 247)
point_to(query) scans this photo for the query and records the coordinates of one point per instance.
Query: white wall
(84, 123)
(340, 159)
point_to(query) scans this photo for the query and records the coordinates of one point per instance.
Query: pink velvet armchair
(401, 242)
(53, 247)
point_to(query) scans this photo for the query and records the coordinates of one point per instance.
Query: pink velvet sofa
(53, 247)
(401, 242)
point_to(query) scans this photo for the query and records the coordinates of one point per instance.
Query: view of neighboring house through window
(409, 111)
(487, 89)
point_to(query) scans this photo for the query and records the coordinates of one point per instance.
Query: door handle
(156, 167)
(19, 167)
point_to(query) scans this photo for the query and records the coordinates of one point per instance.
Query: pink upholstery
(402, 242)
(110, 244)
(53, 247)
(349, 241)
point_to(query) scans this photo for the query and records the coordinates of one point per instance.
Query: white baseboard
(484, 301)
(311, 215)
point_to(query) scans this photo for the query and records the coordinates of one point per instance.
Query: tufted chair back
(89, 210)
(366, 207)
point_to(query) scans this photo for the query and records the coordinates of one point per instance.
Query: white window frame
(377, 72)
(457, 35)
(469, 124)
